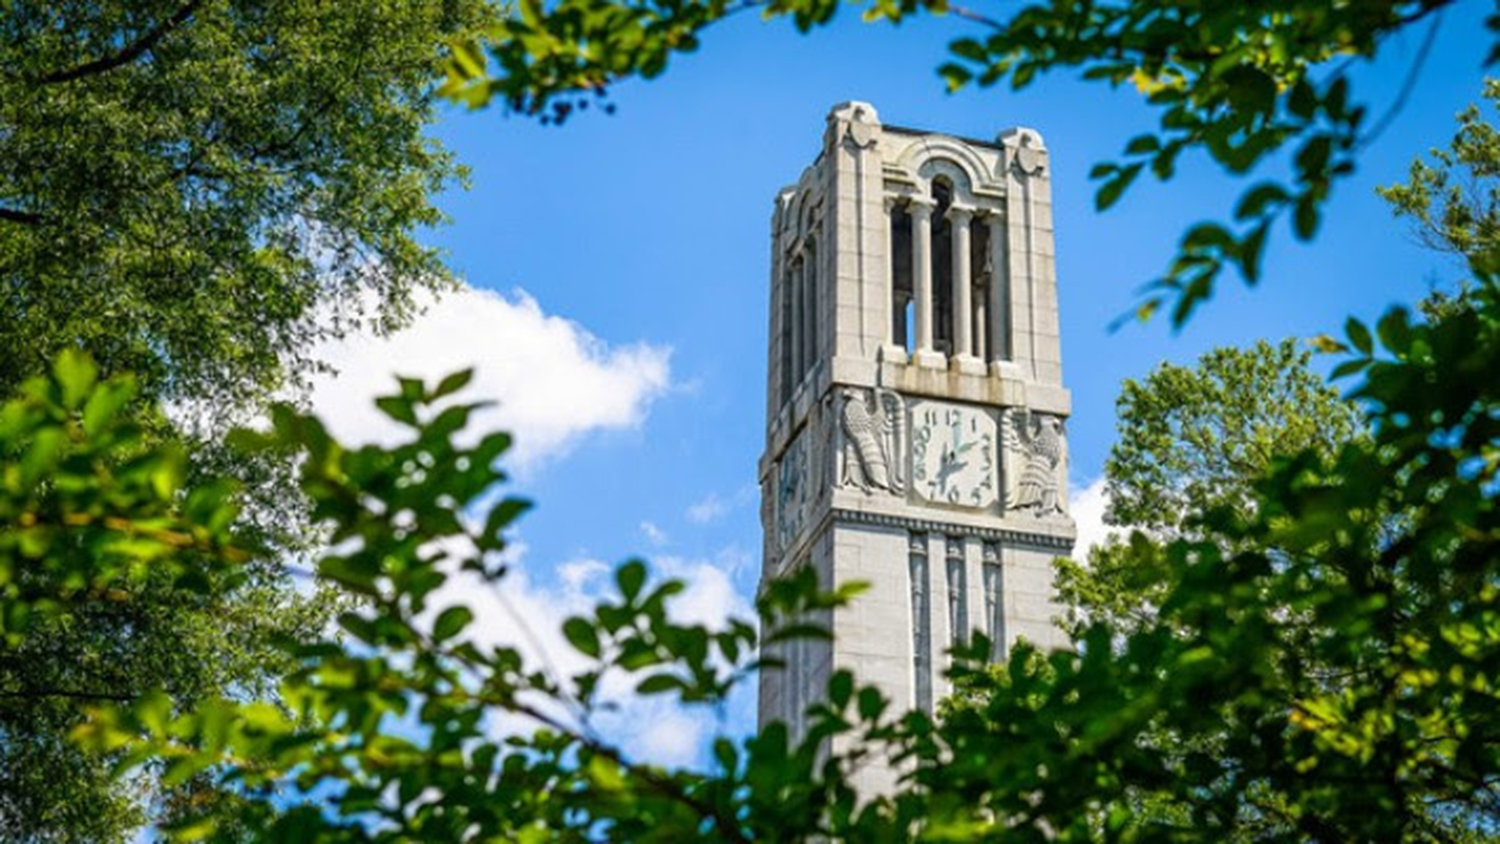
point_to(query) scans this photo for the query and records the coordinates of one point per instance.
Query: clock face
(792, 491)
(954, 454)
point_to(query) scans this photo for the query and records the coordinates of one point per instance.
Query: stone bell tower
(914, 408)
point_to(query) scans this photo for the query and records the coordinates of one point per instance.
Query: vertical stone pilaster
(999, 345)
(1032, 264)
(857, 233)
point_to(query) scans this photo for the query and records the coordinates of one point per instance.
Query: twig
(14, 216)
(1406, 86)
(130, 53)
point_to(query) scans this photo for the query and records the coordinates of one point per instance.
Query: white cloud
(707, 510)
(554, 382)
(523, 613)
(1089, 505)
(654, 534)
(713, 507)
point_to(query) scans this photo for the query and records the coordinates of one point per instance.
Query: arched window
(994, 606)
(788, 378)
(921, 618)
(808, 269)
(958, 587)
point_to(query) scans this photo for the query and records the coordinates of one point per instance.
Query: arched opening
(942, 267)
(979, 259)
(787, 295)
(808, 270)
(903, 302)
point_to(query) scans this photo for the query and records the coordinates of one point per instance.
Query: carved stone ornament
(1028, 161)
(872, 422)
(1037, 442)
(793, 491)
(861, 135)
(917, 543)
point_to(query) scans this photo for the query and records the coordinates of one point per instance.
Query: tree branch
(14, 216)
(131, 51)
(67, 693)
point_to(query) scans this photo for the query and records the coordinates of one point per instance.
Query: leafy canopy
(1453, 203)
(197, 191)
(114, 585)
(1193, 440)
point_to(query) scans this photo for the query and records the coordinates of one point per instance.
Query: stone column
(890, 349)
(921, 258)
(981, 333)
(963, 293)
(963, 308)
(998, 294)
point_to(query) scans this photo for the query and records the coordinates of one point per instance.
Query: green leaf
(398, 408)
(1349, 367)
(452, 384)
(104, 404)
(1256, 200)
(451, 622)
(1359, 335)
(840, 689)
(1394, 330)
(1305, 218)
(1111, 191)
(76, 373)
(1142, 144)
(631, 577)
(659, 683)
(582, 636)
(955, 76)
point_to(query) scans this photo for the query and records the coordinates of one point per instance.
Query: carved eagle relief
(1038, 442)
(873, 423)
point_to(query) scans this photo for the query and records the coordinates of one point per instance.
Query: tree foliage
(1323, 672)
(197, 191)
(111, 587)
(1193, 440)
(1252, 85)
(1321, 665)
(369, 730)
(1453, 201)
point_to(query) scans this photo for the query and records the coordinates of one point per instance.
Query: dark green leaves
(450, 622)
(580, 634)
(404, 702)
(1114, 187)
(631, 577)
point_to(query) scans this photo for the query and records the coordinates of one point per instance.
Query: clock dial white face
(954, 454)
(793, 491)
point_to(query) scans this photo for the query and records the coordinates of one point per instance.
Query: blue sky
(648, 232)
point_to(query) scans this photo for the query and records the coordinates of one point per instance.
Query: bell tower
(915, 410)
